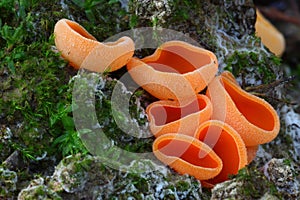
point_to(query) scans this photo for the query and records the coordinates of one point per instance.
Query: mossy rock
(36, 91)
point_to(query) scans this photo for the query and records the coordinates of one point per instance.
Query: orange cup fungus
(176, 70)
(252, 117)
(82, 49)
(167, 116)
(238, 124)
(187, 155)
(269, 35)
(227, 144)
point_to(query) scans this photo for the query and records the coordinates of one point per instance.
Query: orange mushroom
(187, 155)
(228, 75)
(227, 144)
(269, 35)
(252, 117)
(176, 70)
(82, 49)
(175, 116)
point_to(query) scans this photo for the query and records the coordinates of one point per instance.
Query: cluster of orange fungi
(204, 124)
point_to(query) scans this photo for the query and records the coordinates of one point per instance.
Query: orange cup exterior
(270, 36)
(252, 117)
(227, 144)
(82, 50)
(167, 116)
(187, 155)
(176, 70)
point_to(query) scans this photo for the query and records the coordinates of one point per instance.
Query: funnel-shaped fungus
(177, 116)
(269, 35)
(227, 144)
(82, 49)
(252, 117)
(187, 155)
(176, 70)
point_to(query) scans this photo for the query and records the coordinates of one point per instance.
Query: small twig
(274, 13)
(273, 84)
(285, 101)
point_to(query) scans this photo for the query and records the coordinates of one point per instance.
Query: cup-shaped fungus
(227, 144)
(175, 70)
(269, 35)
(187, 155)
(82, 49)
(167, 116)
(252, 117)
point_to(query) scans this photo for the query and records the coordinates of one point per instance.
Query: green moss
(41, 85)
(242, 63)
(102, 18)
(40, 76)
(35, 94)
(140, 183)
(250, 176)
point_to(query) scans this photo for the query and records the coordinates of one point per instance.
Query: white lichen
(291, 121)
(156, 11)
(71, 179)
(38, 190)
(283, 176)
(8, 181)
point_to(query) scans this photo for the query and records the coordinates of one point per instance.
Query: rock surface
(283, 174)
(85, 177)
